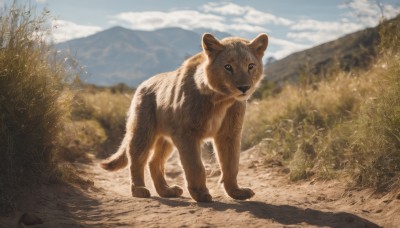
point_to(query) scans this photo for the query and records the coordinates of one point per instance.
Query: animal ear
(211, 44)
(259, 44)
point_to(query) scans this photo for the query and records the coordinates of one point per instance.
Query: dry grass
(80, 139)
(346, 125)
(101, 113)
(34, 101)
(304, 126)
(376, 143)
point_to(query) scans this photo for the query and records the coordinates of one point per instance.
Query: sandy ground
(277, 203)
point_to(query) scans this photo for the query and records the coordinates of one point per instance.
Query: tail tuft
(118, 160)
(115, 163)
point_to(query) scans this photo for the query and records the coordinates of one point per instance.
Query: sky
(292, 25)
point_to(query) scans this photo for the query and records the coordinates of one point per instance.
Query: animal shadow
(284, 214)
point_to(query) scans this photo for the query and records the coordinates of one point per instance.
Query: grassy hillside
(353, 51)
(347, 125)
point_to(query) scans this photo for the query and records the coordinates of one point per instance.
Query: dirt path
(277, 203)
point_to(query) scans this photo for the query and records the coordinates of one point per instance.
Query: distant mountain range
(131, 56)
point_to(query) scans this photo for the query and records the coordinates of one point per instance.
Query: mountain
(355, 50)
(131, 56)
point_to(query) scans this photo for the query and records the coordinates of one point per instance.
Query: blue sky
(292, 25)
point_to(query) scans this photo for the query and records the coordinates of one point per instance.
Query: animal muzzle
(244, 88)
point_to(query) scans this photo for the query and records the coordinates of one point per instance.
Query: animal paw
(200, 195)
(174, 191)
(241, 193)
(140, 192)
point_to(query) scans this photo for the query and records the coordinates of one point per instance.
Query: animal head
(235, 65)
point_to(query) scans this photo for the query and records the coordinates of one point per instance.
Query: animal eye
(251, 66)
(228, 67)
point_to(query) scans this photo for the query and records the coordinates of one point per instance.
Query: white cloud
(41, 1)
(285, 47)
(390, 11)
(244, 14)
(362, 13)
(310, 24)
(225, 16)
(321, 31)
(368, 12)
(187, 19)
(150, 20)
(67, 30)
(242, 27)
(224, 8)
(254, 16)
(316, 37)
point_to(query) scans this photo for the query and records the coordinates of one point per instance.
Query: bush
(33, 101)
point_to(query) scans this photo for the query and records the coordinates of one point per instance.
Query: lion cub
(205, 98)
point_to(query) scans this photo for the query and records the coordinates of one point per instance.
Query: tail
(118, 160)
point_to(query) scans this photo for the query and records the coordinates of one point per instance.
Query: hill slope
(353, 50)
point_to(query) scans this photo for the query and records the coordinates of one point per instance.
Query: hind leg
(141, 123)
(139, 152)
(162, 151)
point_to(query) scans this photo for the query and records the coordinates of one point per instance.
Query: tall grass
(307, 127)
(33, 102)
(346, 125)
(377, 141)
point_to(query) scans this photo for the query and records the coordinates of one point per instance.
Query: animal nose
(243, 88)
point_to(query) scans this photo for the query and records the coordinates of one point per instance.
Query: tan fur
(200, 100)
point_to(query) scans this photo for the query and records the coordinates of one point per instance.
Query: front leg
(227, 143)
(190, 155)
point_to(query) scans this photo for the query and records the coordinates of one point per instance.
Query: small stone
(378, 211)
